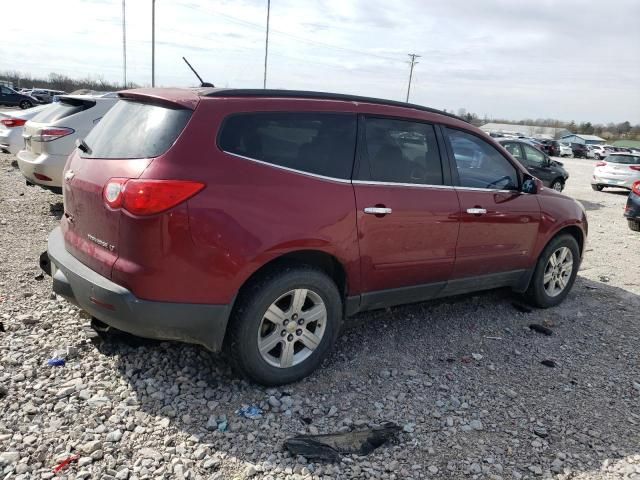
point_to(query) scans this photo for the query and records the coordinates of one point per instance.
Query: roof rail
(259, 92)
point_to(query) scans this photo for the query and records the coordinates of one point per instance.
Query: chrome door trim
(292, 170)
(395, 184)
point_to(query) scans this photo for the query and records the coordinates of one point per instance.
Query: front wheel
(557, 185)
(24, 104)
(555, 272)
(284, 325)
(597, 188)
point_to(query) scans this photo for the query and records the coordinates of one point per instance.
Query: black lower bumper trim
(116, 306)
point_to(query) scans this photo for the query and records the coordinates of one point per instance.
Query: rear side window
(624, 159)
(402, 151)
(62, 109)
(136, 130)
(318, 143)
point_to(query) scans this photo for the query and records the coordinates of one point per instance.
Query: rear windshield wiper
(82, 145)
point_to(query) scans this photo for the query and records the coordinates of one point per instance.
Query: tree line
(611, 131)
(56, 81)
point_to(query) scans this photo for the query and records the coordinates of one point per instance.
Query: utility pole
(266, 46)
(413, 62)
(153, 43)
(124, 43)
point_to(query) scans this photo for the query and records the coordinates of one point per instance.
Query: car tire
(552, 279)
(557, 185)
(24, 104)
(254, 327)
(634, 225)
(597, 188)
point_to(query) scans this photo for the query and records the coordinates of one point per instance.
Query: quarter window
(318, 143)
(479, 164)
(401, 151)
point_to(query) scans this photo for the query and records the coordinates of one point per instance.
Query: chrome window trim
(397, 184)
(292, 170)
(474, 189)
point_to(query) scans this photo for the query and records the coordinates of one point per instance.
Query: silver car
(617, 170)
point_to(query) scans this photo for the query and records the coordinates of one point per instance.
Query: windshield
(136, 130)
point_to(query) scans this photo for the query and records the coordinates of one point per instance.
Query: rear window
(319, 143)
(624, 159)
(62, 109)
(136, 130)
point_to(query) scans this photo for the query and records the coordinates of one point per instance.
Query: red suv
(254, 221)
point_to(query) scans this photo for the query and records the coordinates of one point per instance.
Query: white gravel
(462, 376)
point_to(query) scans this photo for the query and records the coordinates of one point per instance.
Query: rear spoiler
(169, 97)
(76, 101)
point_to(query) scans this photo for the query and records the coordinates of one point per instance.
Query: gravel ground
(462, 377)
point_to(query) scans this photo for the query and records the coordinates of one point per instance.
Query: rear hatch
(50, 116)
(621, 166)
(122, 145)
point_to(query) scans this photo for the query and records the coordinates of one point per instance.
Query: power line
(295, 37)
(413, 62)
(124, 43)
(266, 45)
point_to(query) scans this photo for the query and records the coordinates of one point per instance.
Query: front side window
(479, 164)
(402, 151)
(535, 158)
(319, 143)
(6, 91)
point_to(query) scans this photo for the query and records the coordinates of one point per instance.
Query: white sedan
(12, 125)
(617, 170)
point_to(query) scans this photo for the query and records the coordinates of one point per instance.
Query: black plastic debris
(330, 446)
(536, 327)
(2, 327)
(521, 307)
(548, 363)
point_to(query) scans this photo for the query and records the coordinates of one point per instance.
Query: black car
(11, 98)
(579, 150)
(632, 210)
(551, 172)
(551, 148)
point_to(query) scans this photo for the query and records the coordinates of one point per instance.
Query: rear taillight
(601, 164)
(635, 167)
(13, 122)
(148, 197)
(50, 134)
(636, 188)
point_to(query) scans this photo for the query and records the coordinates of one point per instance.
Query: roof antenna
(202, 82)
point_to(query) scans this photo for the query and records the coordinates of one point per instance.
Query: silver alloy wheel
(558, 271)
(557, 186)
(292, 328)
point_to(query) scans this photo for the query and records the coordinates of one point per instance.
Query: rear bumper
(116, 306)
(45, 164)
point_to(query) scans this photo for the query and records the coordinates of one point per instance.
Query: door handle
(377, 210)
(476, 211)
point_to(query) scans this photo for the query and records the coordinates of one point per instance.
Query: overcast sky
(569, 59)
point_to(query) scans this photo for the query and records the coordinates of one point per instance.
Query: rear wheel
(557, 185)
(597, 188)
(284, 325)
(24, 104)
(555, 272)
(634, 225)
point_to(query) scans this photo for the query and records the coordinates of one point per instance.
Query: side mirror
(529, 185)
